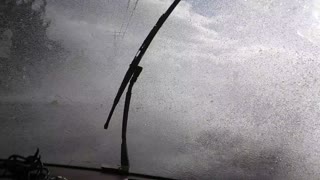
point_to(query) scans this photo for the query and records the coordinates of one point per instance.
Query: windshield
(229, 89)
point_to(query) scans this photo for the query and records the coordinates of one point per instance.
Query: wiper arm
(124, 150)
(135, 63)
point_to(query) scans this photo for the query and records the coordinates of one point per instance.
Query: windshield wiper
(131, 76)
(135, 63)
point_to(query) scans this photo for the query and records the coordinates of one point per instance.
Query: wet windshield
(228, 88)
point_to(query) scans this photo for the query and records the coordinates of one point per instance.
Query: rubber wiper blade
(135, 63)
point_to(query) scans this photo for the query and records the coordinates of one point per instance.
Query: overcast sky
(244, 70)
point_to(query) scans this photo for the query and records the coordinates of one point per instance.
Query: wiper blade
(135, 63)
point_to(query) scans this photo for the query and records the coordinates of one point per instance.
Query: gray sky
(248, 68)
